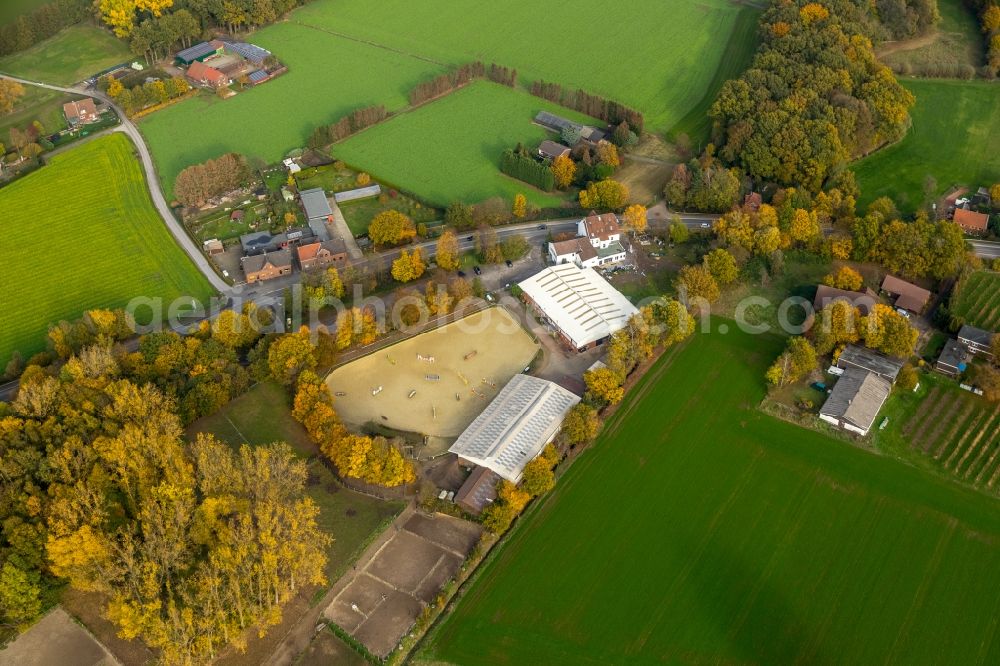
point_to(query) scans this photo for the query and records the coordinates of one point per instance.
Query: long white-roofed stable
(583, 307)
(516, 426)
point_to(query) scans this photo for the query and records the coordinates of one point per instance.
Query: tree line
(144, 95)
(41, 23)
(520, 164)
(463, 75)
(989, 18)
(844, 102)
(352, 123)
(124, 16)
(595, 106)
(199, 183)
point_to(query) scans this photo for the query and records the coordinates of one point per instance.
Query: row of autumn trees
(197, 184)
(827, 224)
(124, 17)
(595, 106)
(191, 543)
(144, 95)
(989, 16)
(443, 84)
(815, 96)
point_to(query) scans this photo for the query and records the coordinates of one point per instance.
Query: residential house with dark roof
(971, 221)
(864, 301)
(908, 296)
(549, 150)
(976, 339)
(862, 358)
(267, 266)
(323, 254)
(855, 401)
(598, 243)
(257, 242)
(953, 358)
(478, 491)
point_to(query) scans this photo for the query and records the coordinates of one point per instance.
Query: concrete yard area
(453, 372)
(379, 601)
(56, 639)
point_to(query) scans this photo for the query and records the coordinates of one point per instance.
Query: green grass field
(328, 77)
(659, 57)
(450, 149)
(82, 233)
(262, 416)
(955, 138)
(69, 57)
(344, 55)
(699, 530)
(977, 300)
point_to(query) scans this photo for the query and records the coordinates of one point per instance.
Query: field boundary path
(152, 182)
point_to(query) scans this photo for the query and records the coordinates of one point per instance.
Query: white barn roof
(516, 425)
(582, 304)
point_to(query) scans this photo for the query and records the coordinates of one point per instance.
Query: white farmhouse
(598, 243)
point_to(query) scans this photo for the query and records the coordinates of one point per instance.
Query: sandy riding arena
(437, 382)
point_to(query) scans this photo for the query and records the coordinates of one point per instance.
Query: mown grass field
(955, 138)
(450, 149)
(70, 56)
(328, 77)
(262, 416)
(947, 430)
(82, 233)
(344, 55)
(699, 530)
(977, 300)
(659, 57)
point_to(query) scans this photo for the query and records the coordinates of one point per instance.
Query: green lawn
(82, 233)
(698, 530)
(659, 57)
(69, 57)
(955, 138)
(977, 300)
(262, 416)
(450, 149)
(328, 77)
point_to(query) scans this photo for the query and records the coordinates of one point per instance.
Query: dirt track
(495, 344)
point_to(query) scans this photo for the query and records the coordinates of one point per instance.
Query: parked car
(477, 270)
(509, 263)
(541, 226)
(706, 225)
(469, 238)
(461, 274)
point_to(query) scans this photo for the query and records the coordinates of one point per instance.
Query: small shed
(237, 215)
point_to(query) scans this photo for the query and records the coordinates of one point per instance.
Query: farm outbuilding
(199, 52)
(908, 296)
(249, 52)
(862, 300)
(971, 221)
(318, 211)
(862, 358)
(976, 339)
(583, 307)
(855, 400)
(515, 426)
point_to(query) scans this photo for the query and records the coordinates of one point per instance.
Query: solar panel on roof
(257, 76)
(196, 51)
